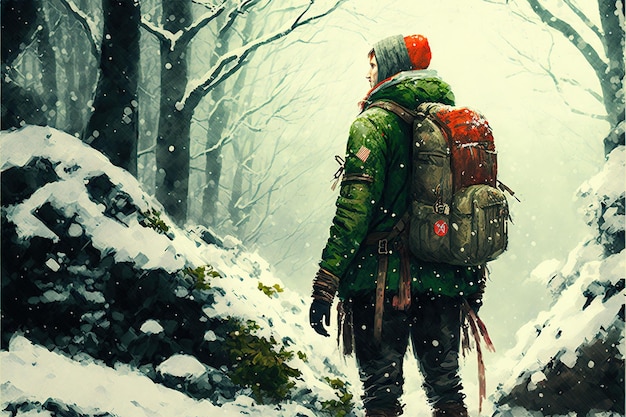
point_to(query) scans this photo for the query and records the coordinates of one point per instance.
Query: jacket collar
(395, 80)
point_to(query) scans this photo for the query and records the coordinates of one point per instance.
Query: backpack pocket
(479, 224)
(473, 233)
(433, 170)
(428, 234)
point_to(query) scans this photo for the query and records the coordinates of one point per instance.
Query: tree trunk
(612, 81)
(19, 22)
(48, 64)
(213, 160)
(112, 127)
(212, 175)
(173, 140)
(73, 122)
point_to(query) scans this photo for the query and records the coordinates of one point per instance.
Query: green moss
(270, 291)
(259, 364)
(343, 405)
(152, 219)
(202, 276)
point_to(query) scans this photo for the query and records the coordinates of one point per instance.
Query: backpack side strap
(402, 301)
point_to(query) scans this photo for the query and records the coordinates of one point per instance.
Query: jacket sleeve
(361, 190)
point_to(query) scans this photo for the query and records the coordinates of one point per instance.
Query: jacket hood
(411, 88)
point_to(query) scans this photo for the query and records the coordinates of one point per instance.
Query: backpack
(457, 214)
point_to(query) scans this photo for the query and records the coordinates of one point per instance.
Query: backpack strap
(402, 112)
(402, 300)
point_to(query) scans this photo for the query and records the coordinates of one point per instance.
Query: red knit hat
(419, 51)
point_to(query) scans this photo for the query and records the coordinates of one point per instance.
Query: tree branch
(228, 137)
(182, 37)
(594, 28)
(214, 76)
(88, 25)
(161, 34)
(234, 14)
(591, 55)
(201, 22)
(557, 81)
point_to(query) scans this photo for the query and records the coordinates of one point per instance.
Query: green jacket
(375, 194)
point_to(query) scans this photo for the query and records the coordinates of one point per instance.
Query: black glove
(319, 314)
(475, 300)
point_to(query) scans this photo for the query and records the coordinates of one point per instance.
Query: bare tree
(47, 58)
(609, 71)
(610, 74)
(78, 57)
(173, 139)
(179, 97)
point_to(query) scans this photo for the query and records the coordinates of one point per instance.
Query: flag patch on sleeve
(363, 153)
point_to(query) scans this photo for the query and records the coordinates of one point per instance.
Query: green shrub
(202, 275)
(344, 405)
(257, 364)
(270, 291)
(152, 219)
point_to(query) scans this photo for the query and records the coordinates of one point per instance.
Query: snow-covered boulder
(94, 270)
(571, 358)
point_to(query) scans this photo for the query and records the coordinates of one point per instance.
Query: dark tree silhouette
(179, 98)
(19, 25)
(112, 127)
(172, 147)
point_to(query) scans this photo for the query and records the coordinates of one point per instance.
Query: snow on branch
(88, 24)
(183, 37)
(221, 70)
(234, 14)
(161, 34)
(202, 21)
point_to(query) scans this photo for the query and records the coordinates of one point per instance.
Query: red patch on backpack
(440, 228)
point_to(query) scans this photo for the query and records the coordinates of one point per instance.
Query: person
(373, 198)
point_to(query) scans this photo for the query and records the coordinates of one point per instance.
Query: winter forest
(166, 172)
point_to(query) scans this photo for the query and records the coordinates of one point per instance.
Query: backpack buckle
(441, 208)
(383, 248)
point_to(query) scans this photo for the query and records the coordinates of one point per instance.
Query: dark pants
(433, 325)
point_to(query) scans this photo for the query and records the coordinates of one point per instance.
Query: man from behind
(388, 297)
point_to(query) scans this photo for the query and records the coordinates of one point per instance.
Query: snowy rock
(231, 242)
(571, 358)
(182, 366)
(93, 268)
(605, 201)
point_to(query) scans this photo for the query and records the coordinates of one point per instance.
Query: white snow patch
(545, 271)
(183, 366)
(53, 265)
(151, 327)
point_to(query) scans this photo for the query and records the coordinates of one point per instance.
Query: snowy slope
(571, 357)
(93, 386)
